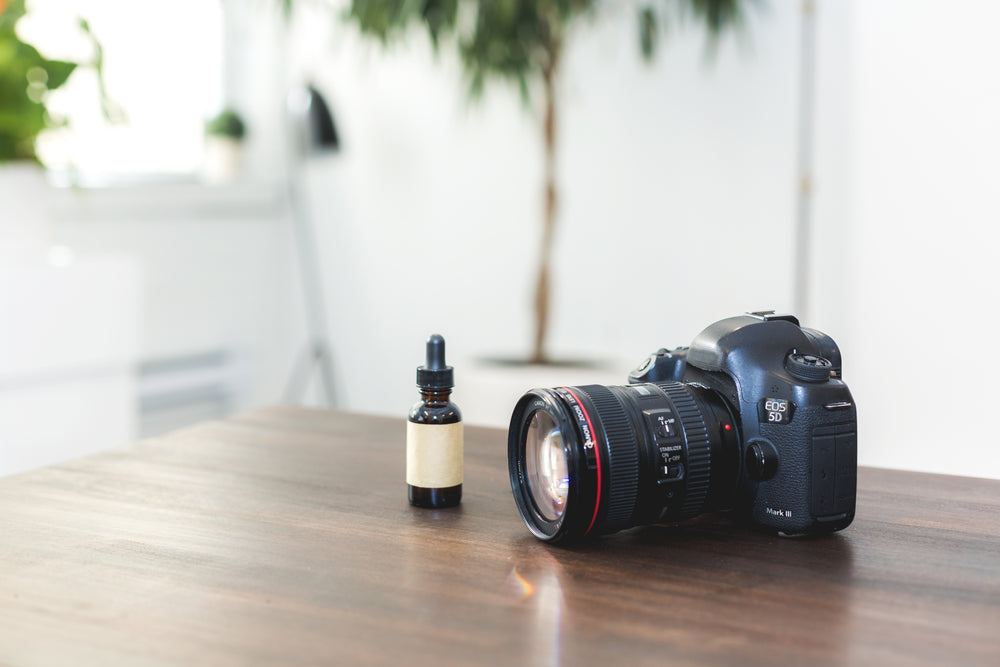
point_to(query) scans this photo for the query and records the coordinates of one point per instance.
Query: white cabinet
(69, 341)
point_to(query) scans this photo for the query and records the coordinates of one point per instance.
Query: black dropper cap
(435, 374)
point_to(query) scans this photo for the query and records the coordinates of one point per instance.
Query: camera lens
(547, 468)
(592, 459)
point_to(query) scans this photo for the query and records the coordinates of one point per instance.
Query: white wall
(911, 99)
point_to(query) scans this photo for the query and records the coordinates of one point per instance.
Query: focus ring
(623, 456)
(699, 458)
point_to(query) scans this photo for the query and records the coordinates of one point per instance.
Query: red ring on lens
(597, 453)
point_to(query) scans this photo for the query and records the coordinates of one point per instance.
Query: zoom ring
(699, 459)
(623, 455)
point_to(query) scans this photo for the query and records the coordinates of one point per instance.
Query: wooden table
(284, 537)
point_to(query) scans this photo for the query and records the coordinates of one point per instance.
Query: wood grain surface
(284, 537)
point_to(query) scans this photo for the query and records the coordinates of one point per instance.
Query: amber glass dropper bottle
(434, 437)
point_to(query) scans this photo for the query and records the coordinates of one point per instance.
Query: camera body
(797, 459)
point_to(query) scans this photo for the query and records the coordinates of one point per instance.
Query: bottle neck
(435, 396)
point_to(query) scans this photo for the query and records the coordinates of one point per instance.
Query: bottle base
(434, 498)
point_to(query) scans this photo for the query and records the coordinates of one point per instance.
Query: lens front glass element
(547, 467)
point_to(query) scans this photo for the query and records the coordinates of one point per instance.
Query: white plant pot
(223, 160)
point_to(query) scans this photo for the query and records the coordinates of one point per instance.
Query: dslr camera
(753, 418)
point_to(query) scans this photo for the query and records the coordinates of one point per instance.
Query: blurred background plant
(223, 152)
(228, 124)
(522, 42)
(26, 80)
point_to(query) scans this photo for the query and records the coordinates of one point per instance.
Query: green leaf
(647, 32)
(58, 72)
(521, 41)
(717, 15)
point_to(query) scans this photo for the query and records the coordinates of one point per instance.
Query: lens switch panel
(662, 422)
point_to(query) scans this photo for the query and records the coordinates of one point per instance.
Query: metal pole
(803, 198)
(317, 352)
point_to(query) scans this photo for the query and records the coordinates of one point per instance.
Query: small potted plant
(224, 135)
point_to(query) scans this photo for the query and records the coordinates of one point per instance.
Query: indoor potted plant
(523, 42)
(224, 135)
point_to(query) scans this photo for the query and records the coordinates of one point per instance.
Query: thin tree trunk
(543, 288)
